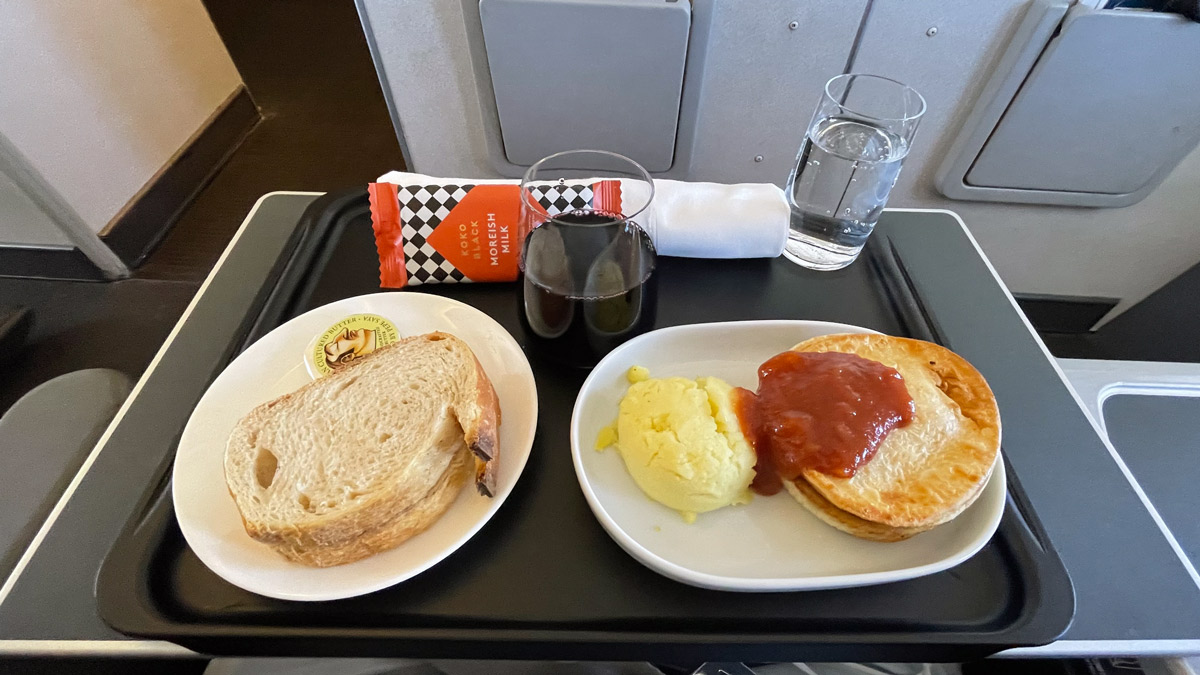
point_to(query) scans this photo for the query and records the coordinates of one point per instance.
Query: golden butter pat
(682, 443)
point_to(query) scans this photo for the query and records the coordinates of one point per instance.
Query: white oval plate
(773, 543)
(274, 366)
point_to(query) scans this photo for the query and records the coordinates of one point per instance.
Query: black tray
(542, 580)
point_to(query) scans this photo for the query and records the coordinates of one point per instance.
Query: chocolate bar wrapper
(460, 233)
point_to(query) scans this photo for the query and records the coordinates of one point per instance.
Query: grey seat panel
(44, 438)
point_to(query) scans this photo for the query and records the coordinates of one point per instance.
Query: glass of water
(850, 159)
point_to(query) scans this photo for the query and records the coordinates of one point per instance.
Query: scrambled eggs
(682, 443)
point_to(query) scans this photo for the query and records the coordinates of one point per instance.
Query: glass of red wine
(587, 255)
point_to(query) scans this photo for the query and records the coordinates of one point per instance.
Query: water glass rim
(639, 173)
(906, 89)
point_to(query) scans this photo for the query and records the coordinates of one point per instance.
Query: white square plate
(773, 543)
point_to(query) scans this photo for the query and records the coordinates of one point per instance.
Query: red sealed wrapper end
(385, 219)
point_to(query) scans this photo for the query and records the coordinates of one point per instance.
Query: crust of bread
(483, 438)
(928, 472)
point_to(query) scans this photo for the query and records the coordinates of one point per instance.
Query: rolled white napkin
(712, 220)
(690, 220)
